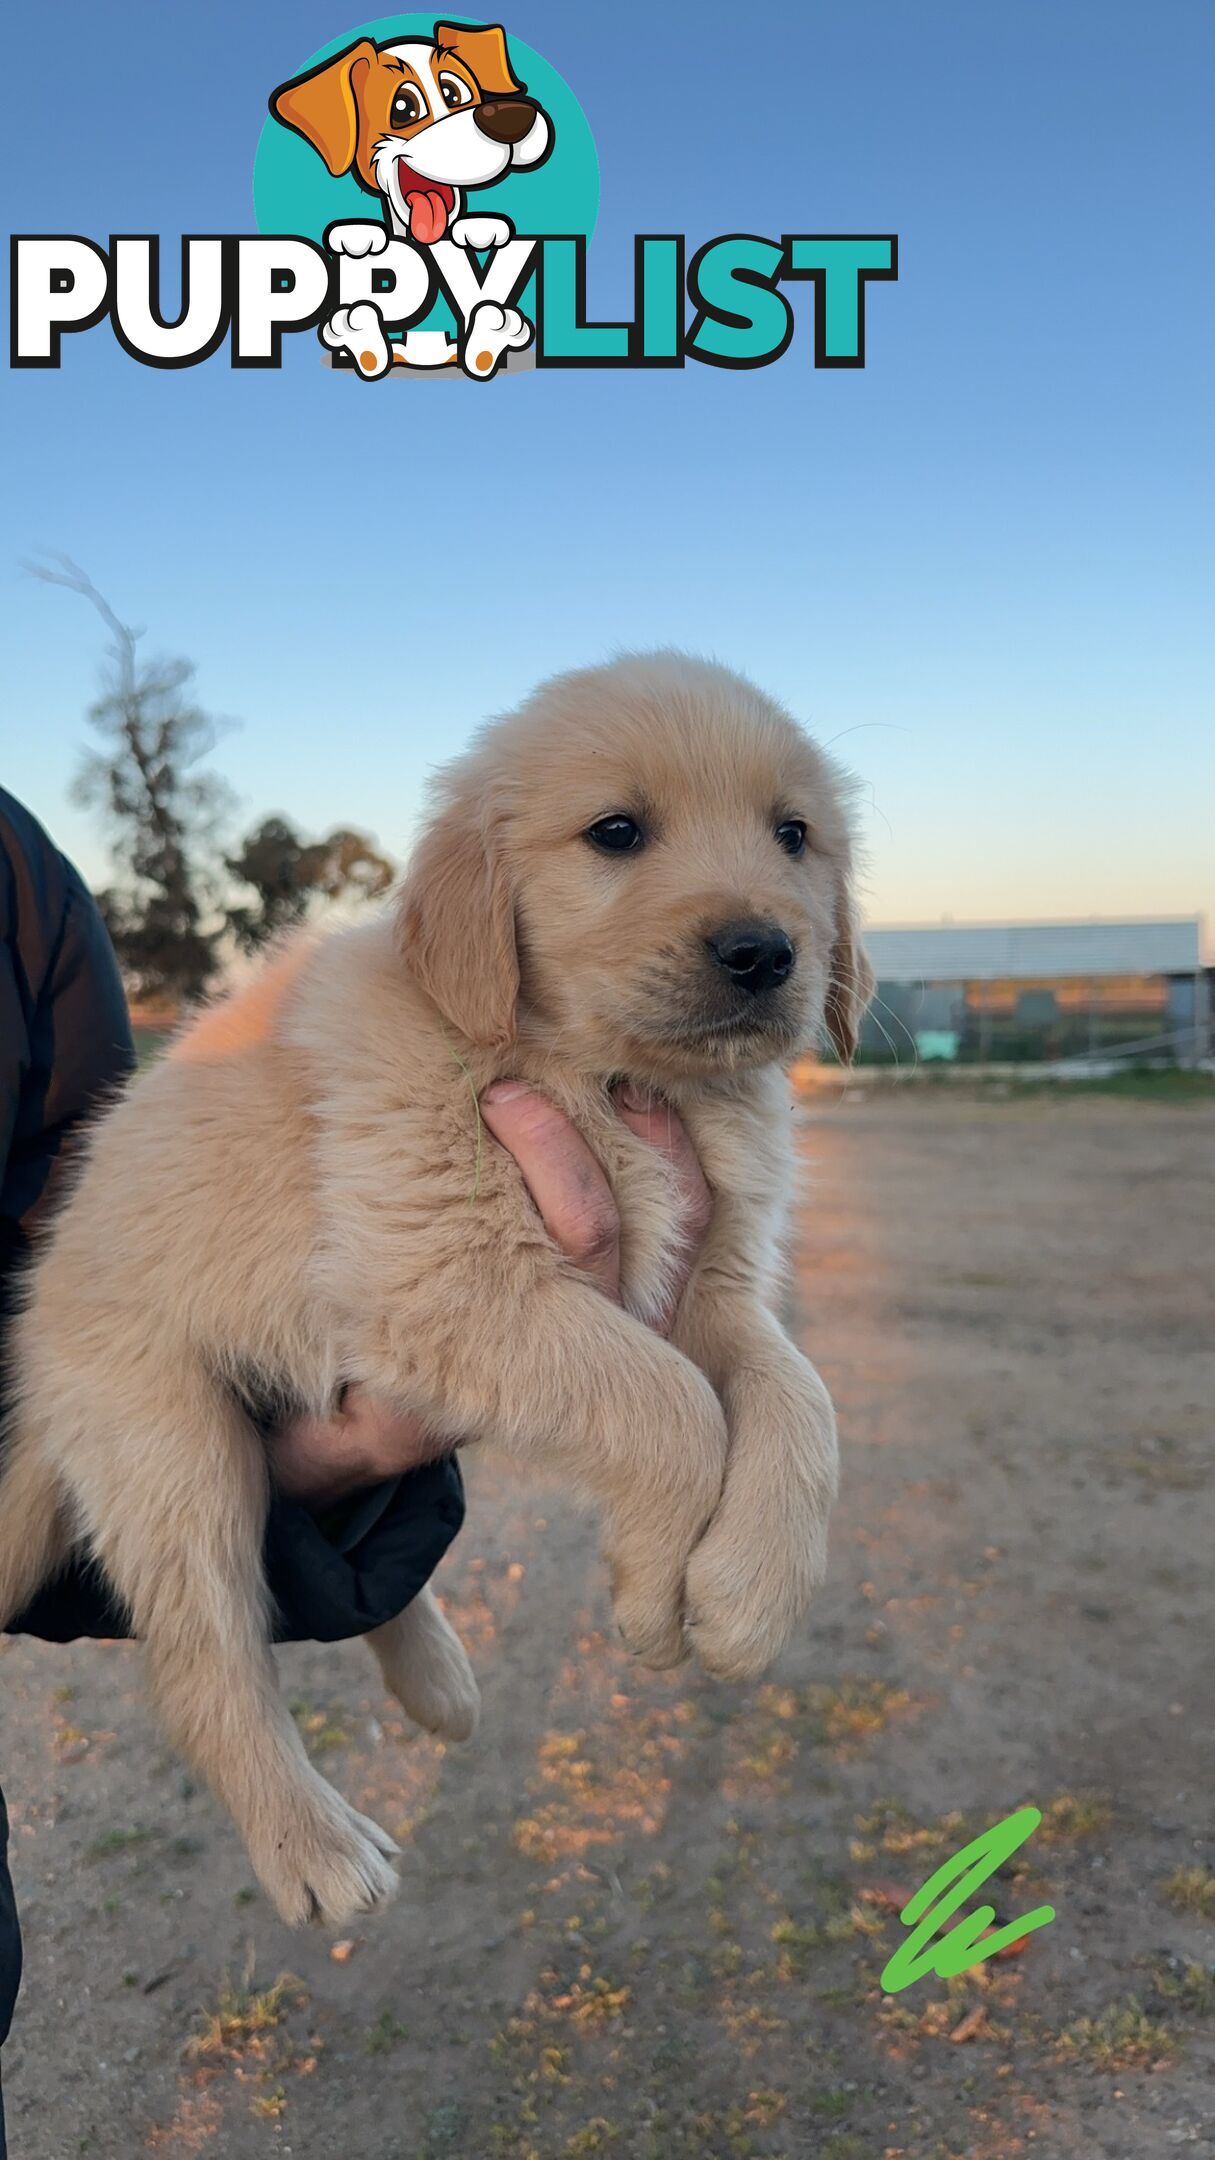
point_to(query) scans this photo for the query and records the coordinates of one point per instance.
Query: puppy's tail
(34, 1536)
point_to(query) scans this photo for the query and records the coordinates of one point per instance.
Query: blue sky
(982, 565)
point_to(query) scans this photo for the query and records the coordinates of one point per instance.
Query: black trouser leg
(10, 1953)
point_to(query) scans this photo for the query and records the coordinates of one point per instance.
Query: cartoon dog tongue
(427, 216)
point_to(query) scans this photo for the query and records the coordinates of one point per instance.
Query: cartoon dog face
(420, 120)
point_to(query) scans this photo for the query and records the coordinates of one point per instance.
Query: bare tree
(162, 813)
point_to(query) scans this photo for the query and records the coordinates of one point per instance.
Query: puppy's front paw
(744, 1598)
(482, 232)
(361, 236)
(653, 1533)
(647, 1598)
(322, 1861)
(764, 1554)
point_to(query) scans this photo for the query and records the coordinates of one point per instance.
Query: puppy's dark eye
(455, 92)
(792, 836)
(407, 106)
(616, 835)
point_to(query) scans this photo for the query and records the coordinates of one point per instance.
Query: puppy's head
(647, 869)
(420, 119)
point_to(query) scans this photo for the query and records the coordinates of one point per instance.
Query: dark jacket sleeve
(10, 1948)
(330, 1576)
(65, 1044)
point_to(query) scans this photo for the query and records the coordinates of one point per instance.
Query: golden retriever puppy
(644, 873)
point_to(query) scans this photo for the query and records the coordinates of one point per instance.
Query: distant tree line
(180, 901)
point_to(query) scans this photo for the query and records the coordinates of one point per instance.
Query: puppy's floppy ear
(322, 106)
(483, 51)
(456, 925)
(850, 983)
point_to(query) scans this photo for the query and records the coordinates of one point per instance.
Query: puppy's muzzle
(504, 120)
(756, 956)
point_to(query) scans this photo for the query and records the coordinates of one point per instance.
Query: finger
(655, 1121)
(564, 1179)
(386, 1436)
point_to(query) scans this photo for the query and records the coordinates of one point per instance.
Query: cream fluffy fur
(300, 1194)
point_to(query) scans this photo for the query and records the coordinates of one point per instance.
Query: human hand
(572, 1194)
(321, 1460)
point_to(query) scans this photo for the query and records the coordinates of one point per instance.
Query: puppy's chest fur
(652, 1239)
(740, 1143)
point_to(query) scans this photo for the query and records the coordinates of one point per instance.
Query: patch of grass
(761, 2110)
(843, 2145)
(112, 1842)
(1169, 1086)
(1163, 1462)
(1122, 2036)
(1188, 1985)
(1138, 1084)
(1192, 1890)
(1073, 1815)
(443, 2127)
(769, 1757)
(597, 2136)
(592, 2000)
(593, 1787)
(798, 1942)
(856, 1922)
(321, 1731)
(244, 2014)
(890, 1827)
(848, 1994)
(832, 2103)
(387, 2032)
(858, 1709)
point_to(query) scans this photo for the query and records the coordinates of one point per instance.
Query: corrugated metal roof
(983, 952)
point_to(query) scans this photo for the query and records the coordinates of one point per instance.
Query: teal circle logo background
(293, 192)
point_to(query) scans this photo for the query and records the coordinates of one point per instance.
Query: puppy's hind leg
(181, 1542)
(425, 1665)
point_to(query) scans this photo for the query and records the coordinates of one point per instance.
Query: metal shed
(975, 992)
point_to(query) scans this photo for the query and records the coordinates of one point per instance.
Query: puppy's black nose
(756, 956)
(504, 120)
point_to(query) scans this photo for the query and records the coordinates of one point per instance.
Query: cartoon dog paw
(359, 238)
(492, 332)
(482, 232)
(359, 331)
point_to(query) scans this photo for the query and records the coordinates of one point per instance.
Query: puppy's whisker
(899, 1022)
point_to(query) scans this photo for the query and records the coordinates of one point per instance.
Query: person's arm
(14, 1060)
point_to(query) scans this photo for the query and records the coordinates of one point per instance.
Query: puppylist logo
(425, 192)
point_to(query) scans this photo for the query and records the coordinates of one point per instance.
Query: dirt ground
(645, 1916)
